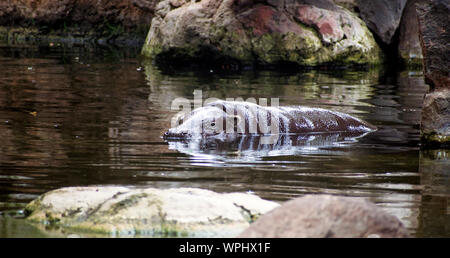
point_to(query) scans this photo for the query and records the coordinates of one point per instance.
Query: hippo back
(306, 120)
(293, 119)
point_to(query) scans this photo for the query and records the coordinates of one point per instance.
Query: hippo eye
(213, 123)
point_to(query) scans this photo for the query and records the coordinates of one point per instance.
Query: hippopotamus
(221, 119)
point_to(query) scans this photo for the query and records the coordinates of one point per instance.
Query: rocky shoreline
(434, 39)
(127, 211)
(120, 211)
(331, 33)
(309, 33)
(122, 23)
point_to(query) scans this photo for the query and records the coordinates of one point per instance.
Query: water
(75, 117)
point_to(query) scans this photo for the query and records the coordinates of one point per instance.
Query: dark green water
(78, 117)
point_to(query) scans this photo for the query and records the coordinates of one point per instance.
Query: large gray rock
(303, 32)
(125, 211)
(326, 216)
(434, 35)
(409, 45)
(382, 16)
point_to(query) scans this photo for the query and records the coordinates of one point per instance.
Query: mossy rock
(122, 211)
(259, 34)
(434, 140)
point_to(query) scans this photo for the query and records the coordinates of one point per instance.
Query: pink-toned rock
(326, 216)
(323, 20)
(266, 32)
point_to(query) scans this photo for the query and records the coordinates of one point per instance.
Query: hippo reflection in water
(230, 125)
(248, 147)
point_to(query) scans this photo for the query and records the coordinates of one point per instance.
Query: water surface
(75, 117)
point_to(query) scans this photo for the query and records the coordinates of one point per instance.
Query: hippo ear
(180, 118)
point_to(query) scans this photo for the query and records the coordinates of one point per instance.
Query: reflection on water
(434, 168)
(244, 148)
(81, 118)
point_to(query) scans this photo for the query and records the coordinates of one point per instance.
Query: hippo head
(206, 121)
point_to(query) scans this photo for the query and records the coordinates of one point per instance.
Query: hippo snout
(175, 135)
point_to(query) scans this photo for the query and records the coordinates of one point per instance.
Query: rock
(134, 211)
(45, 10)
(382, 16)
(126, 12)
(326, 216)
(435, 121)
(305, 32)
(348, 4)
(434, 35)
(123, 23)
(409, 45)
(148, 5)
(123, 12)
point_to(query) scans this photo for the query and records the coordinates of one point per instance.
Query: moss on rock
(434, 140)
(260, 34)
(151, 212)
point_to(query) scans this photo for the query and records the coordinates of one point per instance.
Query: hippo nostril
(168, 134)
(173, 135)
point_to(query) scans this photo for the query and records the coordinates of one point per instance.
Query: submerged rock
(326, 216)
(434, 24)
(434, 170)
(435, 122)
(306, 33)
(126, 211)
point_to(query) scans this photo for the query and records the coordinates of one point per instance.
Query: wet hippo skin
(222, 118)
